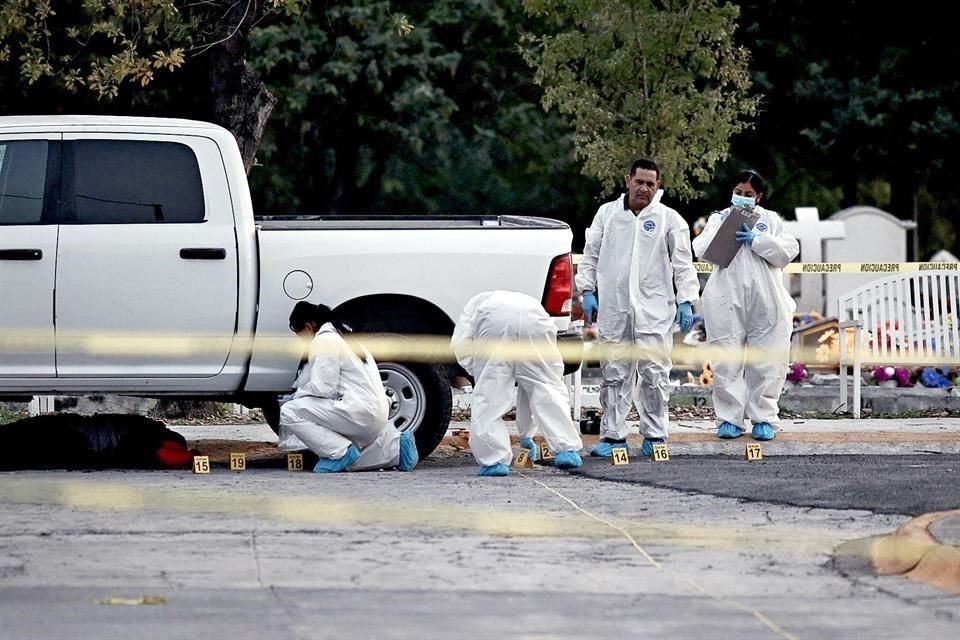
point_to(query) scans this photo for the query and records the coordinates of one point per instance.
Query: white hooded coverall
(632, 263)
(746, 305)
(339, 401)
(509, 318)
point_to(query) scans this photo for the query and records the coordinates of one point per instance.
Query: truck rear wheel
(420, 401)
(271, 413)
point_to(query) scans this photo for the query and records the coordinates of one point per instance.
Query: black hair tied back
(304, 312)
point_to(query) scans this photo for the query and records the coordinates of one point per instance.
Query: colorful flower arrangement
(892, 376)
(797, 373)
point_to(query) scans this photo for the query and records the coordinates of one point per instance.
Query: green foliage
(167, 409)
(101, 45)
(643, 78)
(441, 120)
(8, 415)
(348, 88)
(856, 104)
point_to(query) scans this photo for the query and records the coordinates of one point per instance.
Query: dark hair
(755, 179)
(645, 163)
(304, 312)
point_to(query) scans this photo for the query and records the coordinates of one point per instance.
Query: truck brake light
(559, 288)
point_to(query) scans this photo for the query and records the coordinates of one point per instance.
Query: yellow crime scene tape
(818, 268)
(437, 349)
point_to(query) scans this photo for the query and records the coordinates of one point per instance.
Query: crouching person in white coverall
(339, 408)
(637, 276)
(511, 319)
(745, 305)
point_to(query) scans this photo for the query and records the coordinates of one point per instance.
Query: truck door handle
(21, 254)
(203, 254)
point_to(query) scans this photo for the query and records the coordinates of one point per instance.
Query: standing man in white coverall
(746, 305)
(637, 262)
(339, 409)
(515, 321)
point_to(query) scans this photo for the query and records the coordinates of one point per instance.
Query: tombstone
(812, 232)
(943, 256)
(872, 236)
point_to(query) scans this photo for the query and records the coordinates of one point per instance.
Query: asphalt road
(904, 484)
(441, 553)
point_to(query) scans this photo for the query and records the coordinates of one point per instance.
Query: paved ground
(911, 485)
(440, 552)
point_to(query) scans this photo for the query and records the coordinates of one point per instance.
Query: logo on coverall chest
(761, 226)
(649, 225)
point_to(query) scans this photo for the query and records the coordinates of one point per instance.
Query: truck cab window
(23, 170)
(132, 182)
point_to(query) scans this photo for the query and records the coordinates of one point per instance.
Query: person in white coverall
(637, 261)
(745, 305)
(339, 408)
(513, 319)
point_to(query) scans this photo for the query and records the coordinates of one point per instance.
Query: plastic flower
(797, 373)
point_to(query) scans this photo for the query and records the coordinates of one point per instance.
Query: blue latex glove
(684, 316)
(590, 307)
(745, 234)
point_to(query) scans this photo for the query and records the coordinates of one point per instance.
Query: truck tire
(271, 413)
(420, 401)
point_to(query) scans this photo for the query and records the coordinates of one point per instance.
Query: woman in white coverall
(339, 409)
(637, 261)
(745, 305)
(510, 318)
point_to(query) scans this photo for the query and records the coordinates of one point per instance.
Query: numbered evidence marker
(238, 461)
(545, 454)
(620, 456)
(523, 461)
(660, 453)
(201, 464)
(294, 462)
(753, 452)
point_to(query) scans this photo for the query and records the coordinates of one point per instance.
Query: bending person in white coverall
(745, 305)
(339, 409)
(510, 318)
(637, 261)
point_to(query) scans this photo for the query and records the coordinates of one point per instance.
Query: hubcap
(408, 399)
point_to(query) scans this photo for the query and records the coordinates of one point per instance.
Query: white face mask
(743, 201)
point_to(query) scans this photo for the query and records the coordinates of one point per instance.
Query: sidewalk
(696, 437)
(806, 399)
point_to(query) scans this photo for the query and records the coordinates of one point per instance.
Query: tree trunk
(903, 200)
(343, 198)
(241, 102)
(850, 187)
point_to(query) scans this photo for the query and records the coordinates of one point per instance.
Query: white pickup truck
(131, 263)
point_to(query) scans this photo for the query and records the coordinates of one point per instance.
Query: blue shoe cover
(728, 430)
(604, 449)
(408, 452)
(499, 469)
(762, 431)
(531, 446)
(329, 465)
(646, 450)
(567, 460)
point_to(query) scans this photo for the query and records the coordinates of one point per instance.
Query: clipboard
(724, 245)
